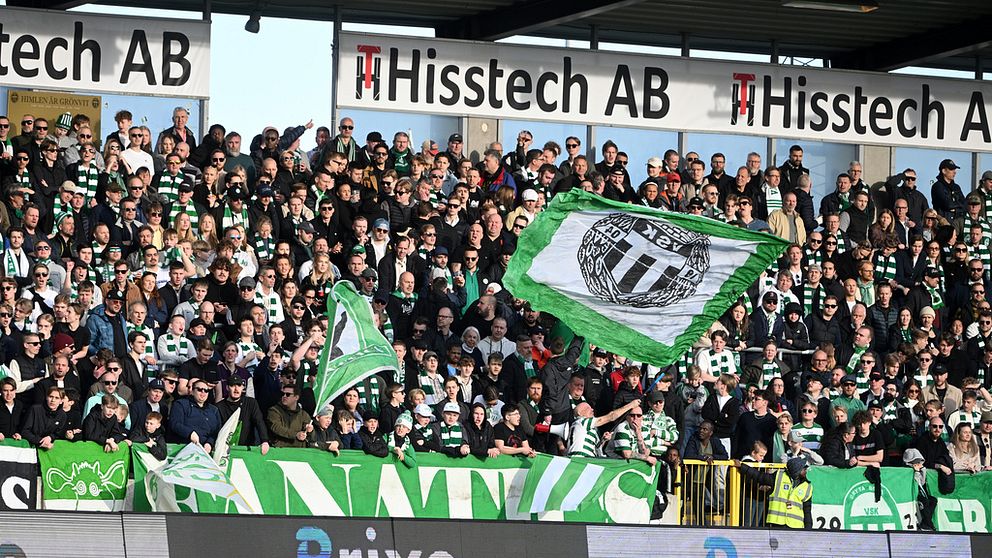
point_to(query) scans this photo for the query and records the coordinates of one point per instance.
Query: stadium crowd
(153, 283)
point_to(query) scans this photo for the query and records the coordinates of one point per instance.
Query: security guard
(790, 500)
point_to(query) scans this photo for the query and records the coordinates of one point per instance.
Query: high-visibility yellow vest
(785, 503)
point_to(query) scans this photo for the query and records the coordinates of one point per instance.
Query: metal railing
(716, 493)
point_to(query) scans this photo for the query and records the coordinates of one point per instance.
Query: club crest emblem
(640, 262)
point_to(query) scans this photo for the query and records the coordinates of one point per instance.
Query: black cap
(536, 330)
(849, 379)
(948, 164)
(265, 192)
(932, 272)
(235, 381)
(197, 322)
(236, 193)
(656, 396)
(420, 344)
(875, 376)
(876, 404)
(455, 137)
(186, 187)
(368, 414)
(696, 201)
(600, 352)
(116, 294)
(939, 369)
(374, 136)
(770, 296)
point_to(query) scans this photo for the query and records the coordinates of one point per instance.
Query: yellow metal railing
(717, 494)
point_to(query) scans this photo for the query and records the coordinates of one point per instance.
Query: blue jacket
(102, 329)
(186, 417)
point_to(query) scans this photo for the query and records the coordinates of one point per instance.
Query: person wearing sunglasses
(28, 368)
(344, 142)
(194, 418)
(19, 177)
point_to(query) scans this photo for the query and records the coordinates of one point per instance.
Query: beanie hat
(65, 121)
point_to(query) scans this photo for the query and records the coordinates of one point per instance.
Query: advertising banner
(42, 104)
(107, 53)
(81, 476)
(494, 80)
(18, 476)
(302, 482)
(845, 499)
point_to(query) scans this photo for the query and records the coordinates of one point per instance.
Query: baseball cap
(306, 227)
(430, 354)
(600, 352)
(423, 410)
(656, 396)
(876, 404)
(536, 330)
(422, 344)
(974, 199)
(939, 369)
(849, 379)
(656, 162)
(948, 164)
(529, 195)
(696, 201)
(373, 136)
(247, 282)
(197, 322)
(235, 381)
(451, 407)
(673, 177)
(987, 175)
(370, 273)
(796, 437)
(157, 383)
(440, 251)
(932, 272)
(987, 416)
(770, 297)
(455, 137)
(236, 193)
(381, 224)
(115, 294)
(265, 192)
(186, 187)
(795, 466)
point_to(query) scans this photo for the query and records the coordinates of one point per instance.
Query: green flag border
(603, 331)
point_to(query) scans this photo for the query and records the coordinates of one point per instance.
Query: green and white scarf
(852, 364)
(937, 302)
(147, 331)
(845, 200)
(885, 266)
(451, 436)
(230, 219)
(809, 295)
(368, 393)
(179, 346)
(265, 248)
(773, 198)
(168, 186)
(249, 348)
(720, 363)
(769, 371)
(188, 209)
(88, 179)
(813, 256)
(271, 303)
(432, 387)
(15, 265)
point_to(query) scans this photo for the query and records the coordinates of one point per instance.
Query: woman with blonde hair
(184, 228)
(208, 230)
(964, 449)
(321, 278)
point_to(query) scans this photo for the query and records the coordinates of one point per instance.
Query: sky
(281, 77)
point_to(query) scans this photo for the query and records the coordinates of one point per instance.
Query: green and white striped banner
(637, 281)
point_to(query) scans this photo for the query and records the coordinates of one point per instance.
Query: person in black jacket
(253, 429)
(372, 441)
(11, 411)
(478, 433)
(150, 433)
(46, 422)
(722, 409)
(102, 425)
(835, 448)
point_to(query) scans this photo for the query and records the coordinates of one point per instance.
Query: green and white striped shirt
(585, 439)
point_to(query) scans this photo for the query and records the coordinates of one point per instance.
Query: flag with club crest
(634, 280)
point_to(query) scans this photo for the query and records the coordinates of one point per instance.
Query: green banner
(845, 499)
(81, 476)
(310, 482)
(968, 509)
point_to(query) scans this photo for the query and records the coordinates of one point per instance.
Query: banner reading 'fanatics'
(494, 80)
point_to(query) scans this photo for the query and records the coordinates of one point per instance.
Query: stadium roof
(947, 34)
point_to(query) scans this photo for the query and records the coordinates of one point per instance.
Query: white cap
(529, 194)
(452, 407)
(423, 410)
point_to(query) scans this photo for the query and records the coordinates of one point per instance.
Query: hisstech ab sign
(495, 80)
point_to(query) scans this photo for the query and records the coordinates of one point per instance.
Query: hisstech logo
(314, 542)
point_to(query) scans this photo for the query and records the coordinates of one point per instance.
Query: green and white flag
(81, 476)
(355, 348)
(639, 281)
(192, 468)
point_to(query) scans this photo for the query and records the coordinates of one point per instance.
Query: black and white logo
(640, 262)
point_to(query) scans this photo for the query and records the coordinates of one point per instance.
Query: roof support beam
(47, 4)
(952, 40)
(526, 17)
